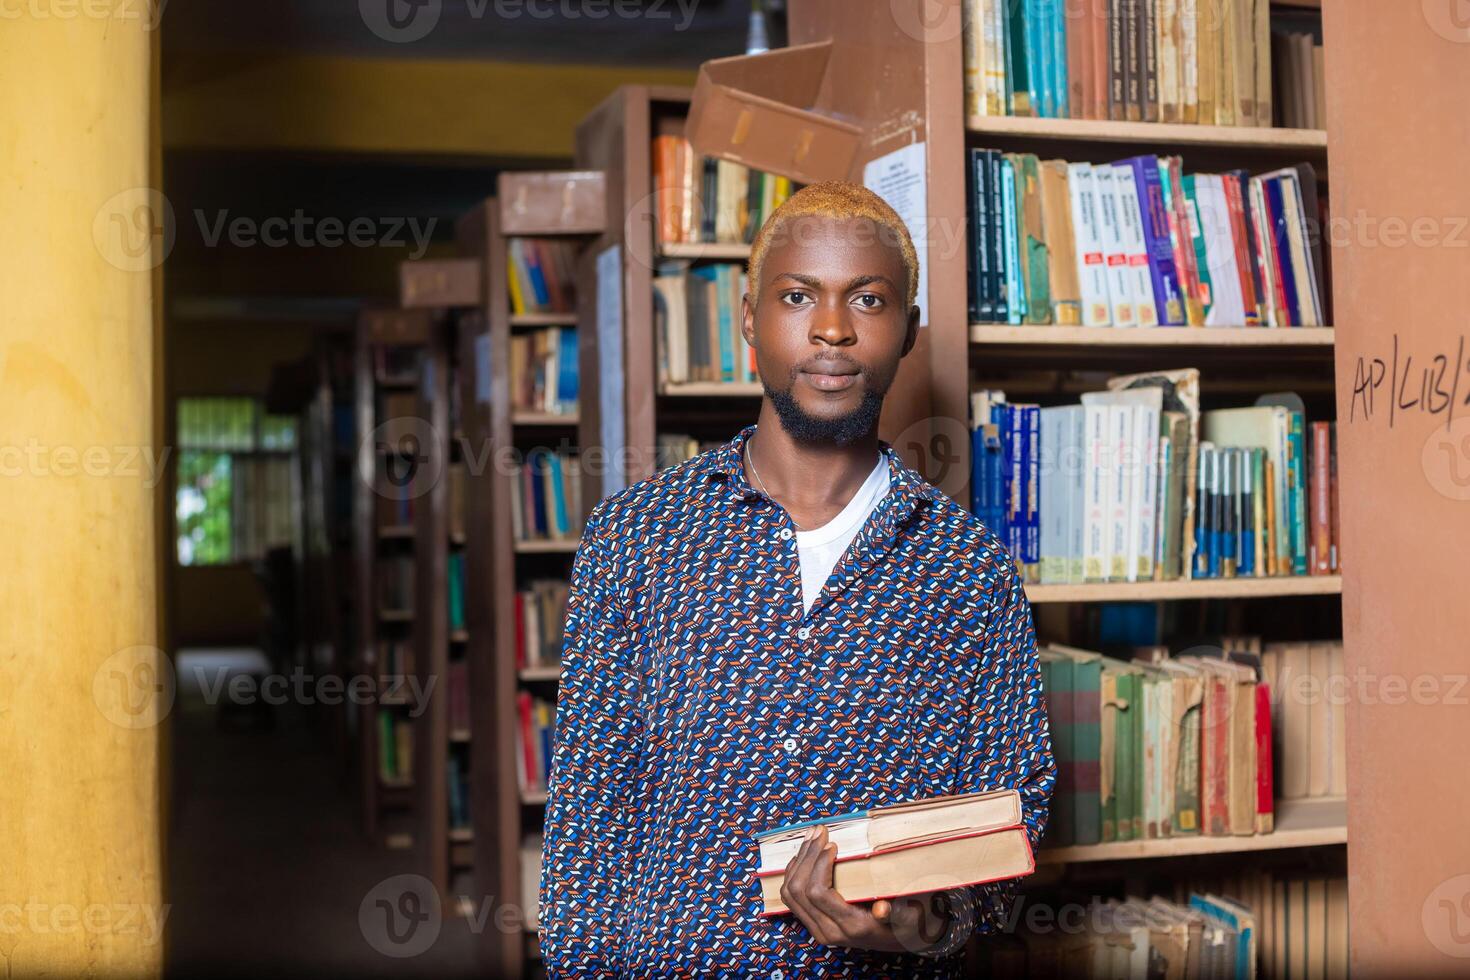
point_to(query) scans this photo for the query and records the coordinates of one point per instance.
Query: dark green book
(1086, 677)
(1056, 685)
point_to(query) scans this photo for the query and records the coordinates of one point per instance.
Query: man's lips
(831, 376)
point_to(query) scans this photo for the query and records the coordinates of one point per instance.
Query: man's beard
(842, 430)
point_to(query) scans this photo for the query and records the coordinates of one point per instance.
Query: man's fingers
(854, 922)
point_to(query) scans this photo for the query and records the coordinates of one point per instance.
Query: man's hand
(901, 925)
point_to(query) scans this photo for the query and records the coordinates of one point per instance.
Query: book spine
(1120, 430)
(1000, 311)
(1133, 60)
(1320, 552)
(1032, 415)
(1015, 294)
(1032, 230)
(1053, 510)
(1189, 61)
(1281, 254)
(977, 47)
(1015, 488)
(1148, 42)
(1125, 752)
(979, 237)
(1078, 27)
(1061, 76)
(1215, 768)
(1092, 269)
(1020, 67)
(1120, 289)
(1075, 473)
(1038, 58)
(1099, 36)
(1186, 773)
(1204, 510)
(1265, 774)
(1146, 440)
(1298, 491)
(1240, 241)
(1096, 488)
(1064, 742)
(1117, 61)
(1086, 751)
(1167, 40)
(1336, 554)
(1171, 182)
(1154, 220)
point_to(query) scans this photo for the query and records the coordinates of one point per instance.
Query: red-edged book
(1265, 774)
(530, 771)
(520, 607)
(1214, 783)
(909, 848)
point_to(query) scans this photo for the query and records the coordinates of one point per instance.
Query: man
(791, 626)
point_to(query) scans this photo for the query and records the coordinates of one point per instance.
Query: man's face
(831, 326)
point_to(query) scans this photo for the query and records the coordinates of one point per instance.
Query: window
(237, 488)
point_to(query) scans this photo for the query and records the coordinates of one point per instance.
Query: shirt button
(777, 975)
(785, 534)
(789, 745)
(804, 632)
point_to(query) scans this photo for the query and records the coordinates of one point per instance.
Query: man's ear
(747, 319)
(912, 333)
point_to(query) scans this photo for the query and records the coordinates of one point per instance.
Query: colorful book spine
(1154, 221)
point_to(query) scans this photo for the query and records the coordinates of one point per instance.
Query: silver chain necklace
(762, 483)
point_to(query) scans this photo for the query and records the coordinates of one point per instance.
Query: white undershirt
(821, 548)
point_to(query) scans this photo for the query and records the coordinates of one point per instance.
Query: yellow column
(81, 681)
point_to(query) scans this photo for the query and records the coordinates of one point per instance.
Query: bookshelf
(564, 207)
(388, 349)
(447, 292)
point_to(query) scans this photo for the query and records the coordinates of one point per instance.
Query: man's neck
(812, 481)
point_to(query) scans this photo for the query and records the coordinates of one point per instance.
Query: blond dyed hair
(842, 201)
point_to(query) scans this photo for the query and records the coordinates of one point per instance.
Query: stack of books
(1140, 243)
(701, 199)
(1173, 61)
(546, 497)
(543, 371)
(1121, 488)
(541, 275)
(697, 317)
(910, 848)
(541, 612)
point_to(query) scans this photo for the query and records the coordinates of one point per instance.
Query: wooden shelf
(395, 532)
(712, 389)
(734, 252)
(987, 334)
(395, 615)
(1299, 823)
(549, 673)
(459, 636)
(459, 735)
(461, 835)
(1210, 588)
(544, 419)
(1108, 131)
(543, 319)
(566, 546)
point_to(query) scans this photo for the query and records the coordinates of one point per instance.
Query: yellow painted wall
(387, 105)
(79, 778)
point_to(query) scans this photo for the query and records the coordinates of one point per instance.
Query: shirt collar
(907, 488)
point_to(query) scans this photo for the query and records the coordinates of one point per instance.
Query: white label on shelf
(899, 178)
(610, 373)
(482, 368)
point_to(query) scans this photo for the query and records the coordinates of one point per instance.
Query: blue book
(1018, 79)
(1168, 293)
(1038, 58)
(558, 495)
(567, 385)
(725, 312)
(1015, 481)
(538, 278)
(546, 746)
(536, 464)
(1057, 30)
(1239, 922)
(1031, 543)
(1015, 295)
(1283, 248)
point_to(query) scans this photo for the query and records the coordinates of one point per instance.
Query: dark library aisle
(268, 868)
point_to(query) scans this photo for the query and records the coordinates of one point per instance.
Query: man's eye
(870, 301)
(796, 297)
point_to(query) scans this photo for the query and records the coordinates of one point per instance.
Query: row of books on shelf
(1175, 61)
(395, 748)
(536, 723)
(1140, 243)
(546, 497)
(541, 274)
(540, 614)
(1297, 60)
(697, 320)
(543, 371)
(457, 785)
(676, 447)
(1135, 484)
(701, 199)
(1197, 744)
(1288, 927)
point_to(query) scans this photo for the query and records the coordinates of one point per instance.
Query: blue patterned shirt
(699, 705)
